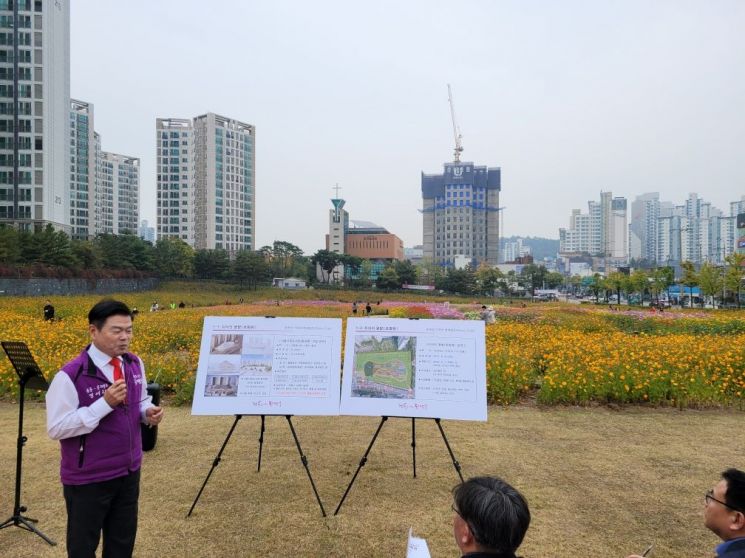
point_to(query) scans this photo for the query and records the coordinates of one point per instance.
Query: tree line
(49, 252)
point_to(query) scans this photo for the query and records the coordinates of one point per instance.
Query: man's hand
(154, 415)
(116, 393)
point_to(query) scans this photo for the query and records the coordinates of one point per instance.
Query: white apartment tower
(645, 211)
(602, 231)
(617, 230)
(34, 113)
(175, 184)
(117, 199)
(206, 182)
(82, 169)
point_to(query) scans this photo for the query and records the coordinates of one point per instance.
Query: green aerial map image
(392, 369)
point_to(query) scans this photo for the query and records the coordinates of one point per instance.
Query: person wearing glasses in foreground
(724, 514)
(491, 518)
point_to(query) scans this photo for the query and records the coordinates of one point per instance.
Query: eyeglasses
(709, 496)
(452, 506)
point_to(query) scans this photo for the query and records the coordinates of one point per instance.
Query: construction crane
(456, 130)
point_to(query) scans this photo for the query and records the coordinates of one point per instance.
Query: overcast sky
(569, 98)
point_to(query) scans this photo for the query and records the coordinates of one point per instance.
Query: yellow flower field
(557, 353)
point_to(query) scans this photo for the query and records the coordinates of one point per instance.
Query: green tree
(689, 279)
(458, 281)
(388, 279)
(173, 258)
(86, 253)
(488, 278)
(532, 277)
(352, 266)
(365, 273)
(10, 247)
(406, 272)
(428, 272)
(597, 286)
(639, 283)
(575, 282)
(616, 282)
(50, 247)
(282, 258)
(554, 280)
(250, 268)
(124, 251)
(710, 281)
(735, 274)
(211, 264)
(327, 261)
(662, 278)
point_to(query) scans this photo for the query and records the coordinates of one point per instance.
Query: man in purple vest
(95, 405)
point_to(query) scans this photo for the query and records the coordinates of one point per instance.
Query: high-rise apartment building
(82, 169)
(104, 187)
(577, 238)
(617, 230)
(117, 200)
(34, 113)
(601, 232)
(175, 183)
(206, 182)
(514, 250)
(146, 232)
(645, 211)
(461, 214)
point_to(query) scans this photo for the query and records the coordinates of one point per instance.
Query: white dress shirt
(65, 419)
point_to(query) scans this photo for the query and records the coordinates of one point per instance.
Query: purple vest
(114, 447)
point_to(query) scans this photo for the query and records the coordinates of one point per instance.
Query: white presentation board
(414, 368)
(268, 366)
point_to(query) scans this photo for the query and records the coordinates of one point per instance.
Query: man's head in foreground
(724, 512)
(110, 327)
(490, 516)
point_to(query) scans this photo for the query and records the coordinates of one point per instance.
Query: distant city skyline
(569, 99)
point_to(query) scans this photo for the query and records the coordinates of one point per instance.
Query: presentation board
(268, 366)
(414, 368)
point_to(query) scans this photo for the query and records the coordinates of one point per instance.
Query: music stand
(29, 375)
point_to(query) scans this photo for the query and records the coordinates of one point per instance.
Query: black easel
(29, 375)
(456, 465)
(217, 459)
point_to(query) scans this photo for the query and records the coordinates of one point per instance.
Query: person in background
(48, 311)
(95, 405)
(491, 518)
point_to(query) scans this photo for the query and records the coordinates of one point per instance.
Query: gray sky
(568, 97)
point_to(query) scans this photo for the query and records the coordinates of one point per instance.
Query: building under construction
(461, 214)
(460, 210)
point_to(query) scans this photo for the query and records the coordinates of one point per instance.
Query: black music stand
(29, 375)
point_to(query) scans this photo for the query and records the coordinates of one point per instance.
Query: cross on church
(337, 188)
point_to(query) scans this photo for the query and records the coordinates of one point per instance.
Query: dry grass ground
(599, 482)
